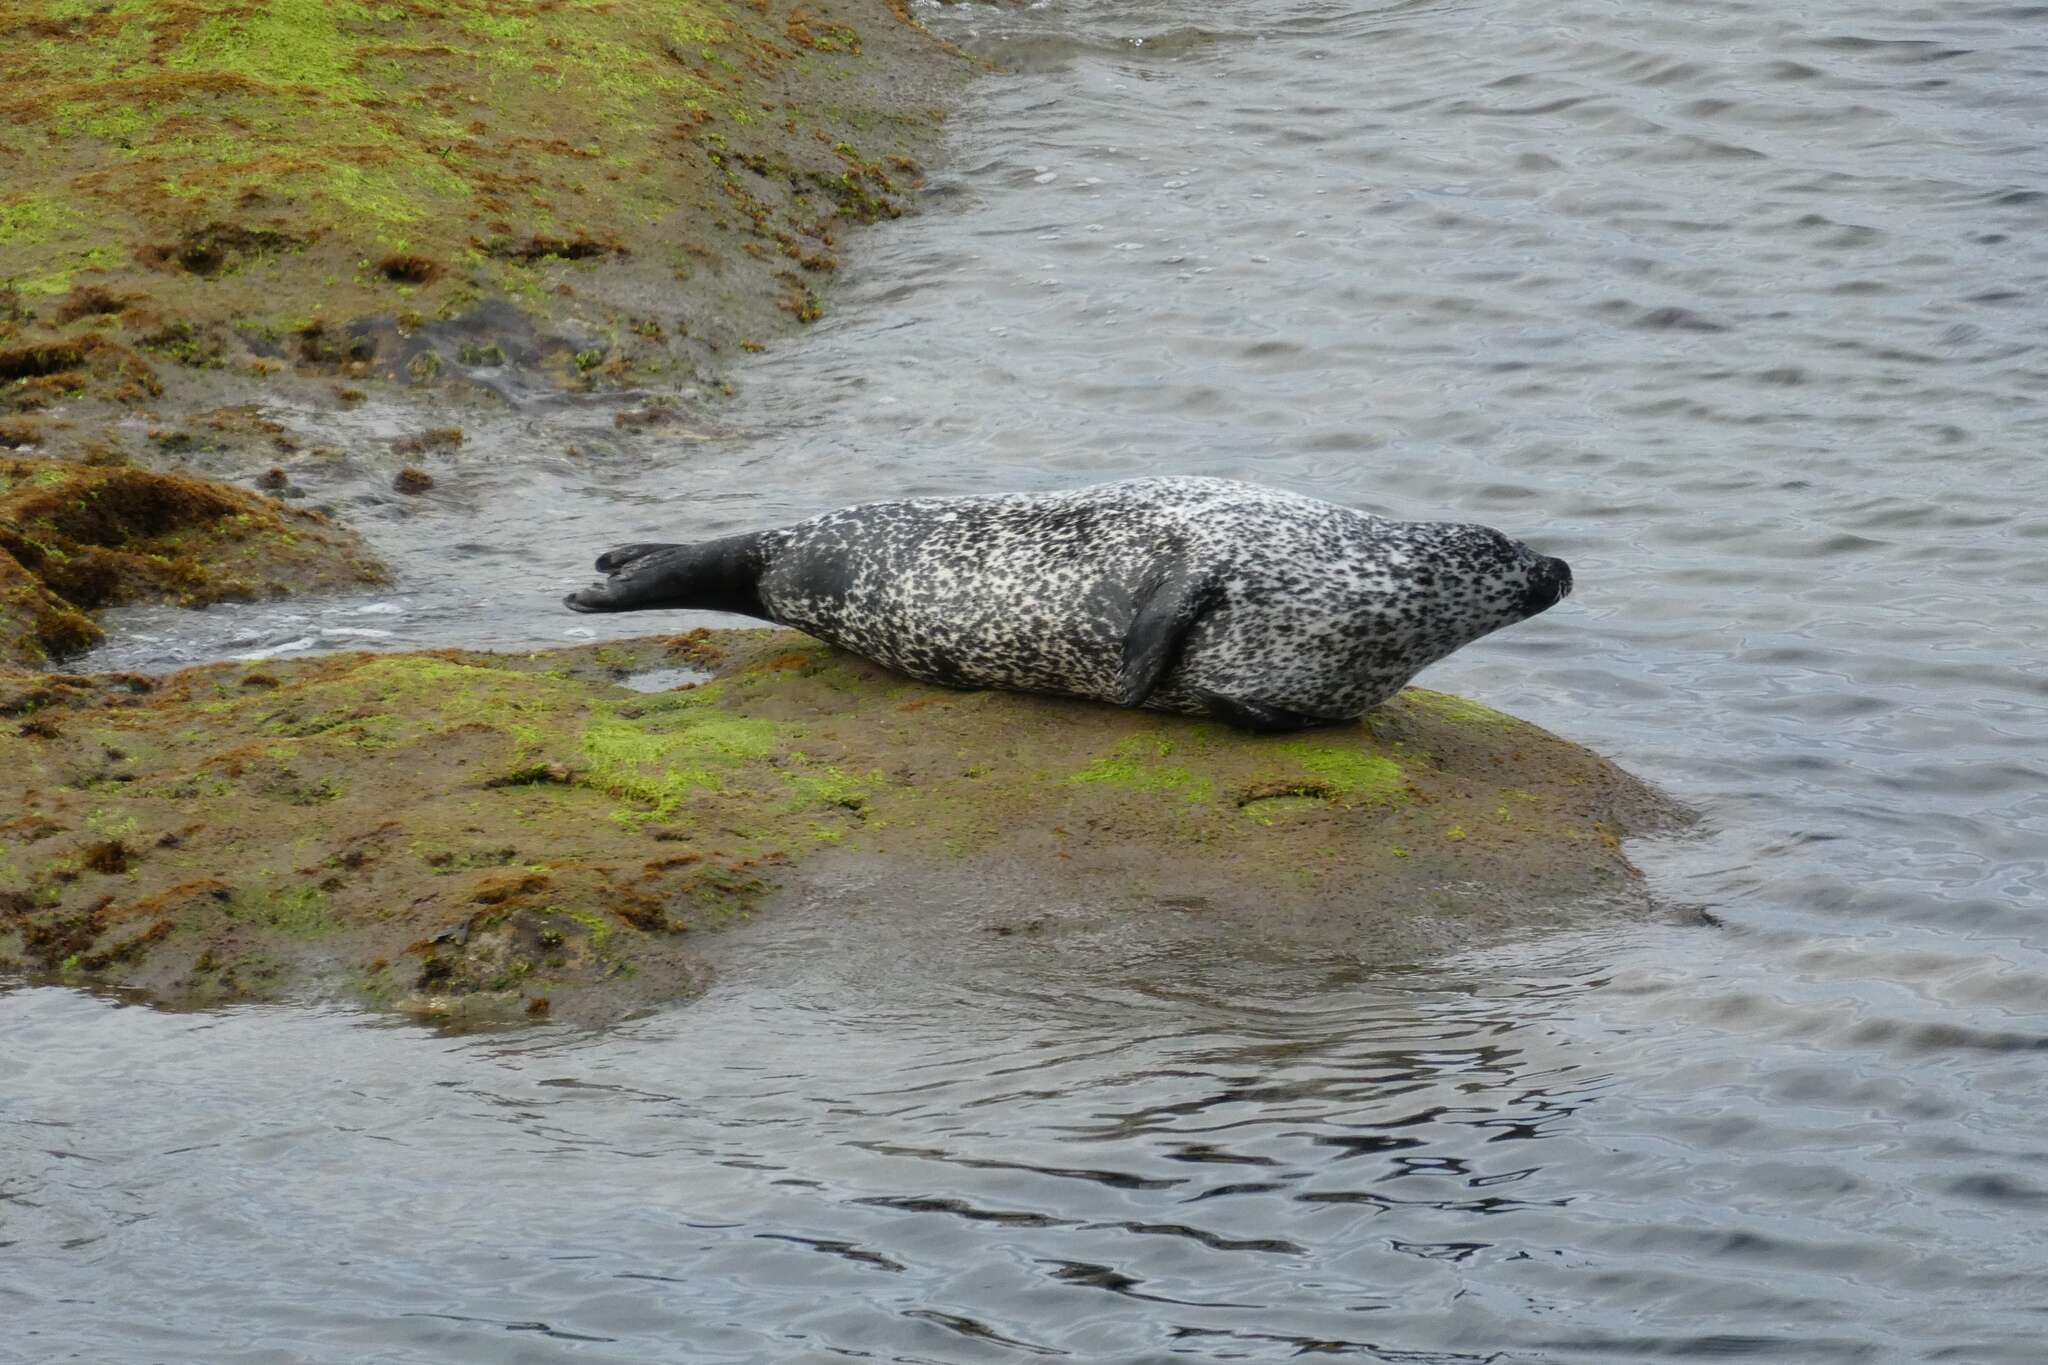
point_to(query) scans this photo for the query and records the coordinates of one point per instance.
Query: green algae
(33, 219)
(298, 912)
(831, 787)
(1267, 811)
(1350, 771)
(1135, 764)
(660, 751)
(597, 926)
(659, 770)
(1313, 770)
(290, 42)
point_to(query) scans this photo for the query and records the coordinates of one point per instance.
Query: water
(1740, 308)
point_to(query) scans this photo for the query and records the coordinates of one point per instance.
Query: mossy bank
(195, 197)
(490, 835)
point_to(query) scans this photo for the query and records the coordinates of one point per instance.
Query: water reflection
(1009, 1148)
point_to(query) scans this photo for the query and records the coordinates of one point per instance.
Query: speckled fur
(1306, 610)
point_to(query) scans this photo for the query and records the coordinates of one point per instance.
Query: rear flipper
(713, 575)
(640, 576)
(1254, 715)
(616, 558)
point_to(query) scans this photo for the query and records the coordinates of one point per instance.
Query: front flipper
(1254, 715)
(1158, 633)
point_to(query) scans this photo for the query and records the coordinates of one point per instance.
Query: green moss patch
(1141, 763)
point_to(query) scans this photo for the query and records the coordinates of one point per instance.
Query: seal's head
(1457, 582)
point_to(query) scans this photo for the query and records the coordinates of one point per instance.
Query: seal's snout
(1550, 584)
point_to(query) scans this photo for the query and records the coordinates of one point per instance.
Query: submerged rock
(480, 836)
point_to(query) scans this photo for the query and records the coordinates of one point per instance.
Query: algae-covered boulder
(74, 538)
(486, 835)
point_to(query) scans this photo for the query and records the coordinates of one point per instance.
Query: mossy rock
(482, 836)
(74, 538)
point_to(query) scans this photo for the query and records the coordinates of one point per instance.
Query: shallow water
(1740, 308)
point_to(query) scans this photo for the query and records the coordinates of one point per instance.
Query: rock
(74, 538)
(463, 835)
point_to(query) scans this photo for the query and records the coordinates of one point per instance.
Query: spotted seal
(1265, 609)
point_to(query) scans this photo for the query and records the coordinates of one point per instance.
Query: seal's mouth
(1549, 585)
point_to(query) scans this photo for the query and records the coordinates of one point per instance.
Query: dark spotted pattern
(1202, 596)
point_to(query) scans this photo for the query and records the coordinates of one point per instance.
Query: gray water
(1738, 307)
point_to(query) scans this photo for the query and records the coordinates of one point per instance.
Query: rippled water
(1738, 307)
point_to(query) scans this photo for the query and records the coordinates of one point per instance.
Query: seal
(1265, 609)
